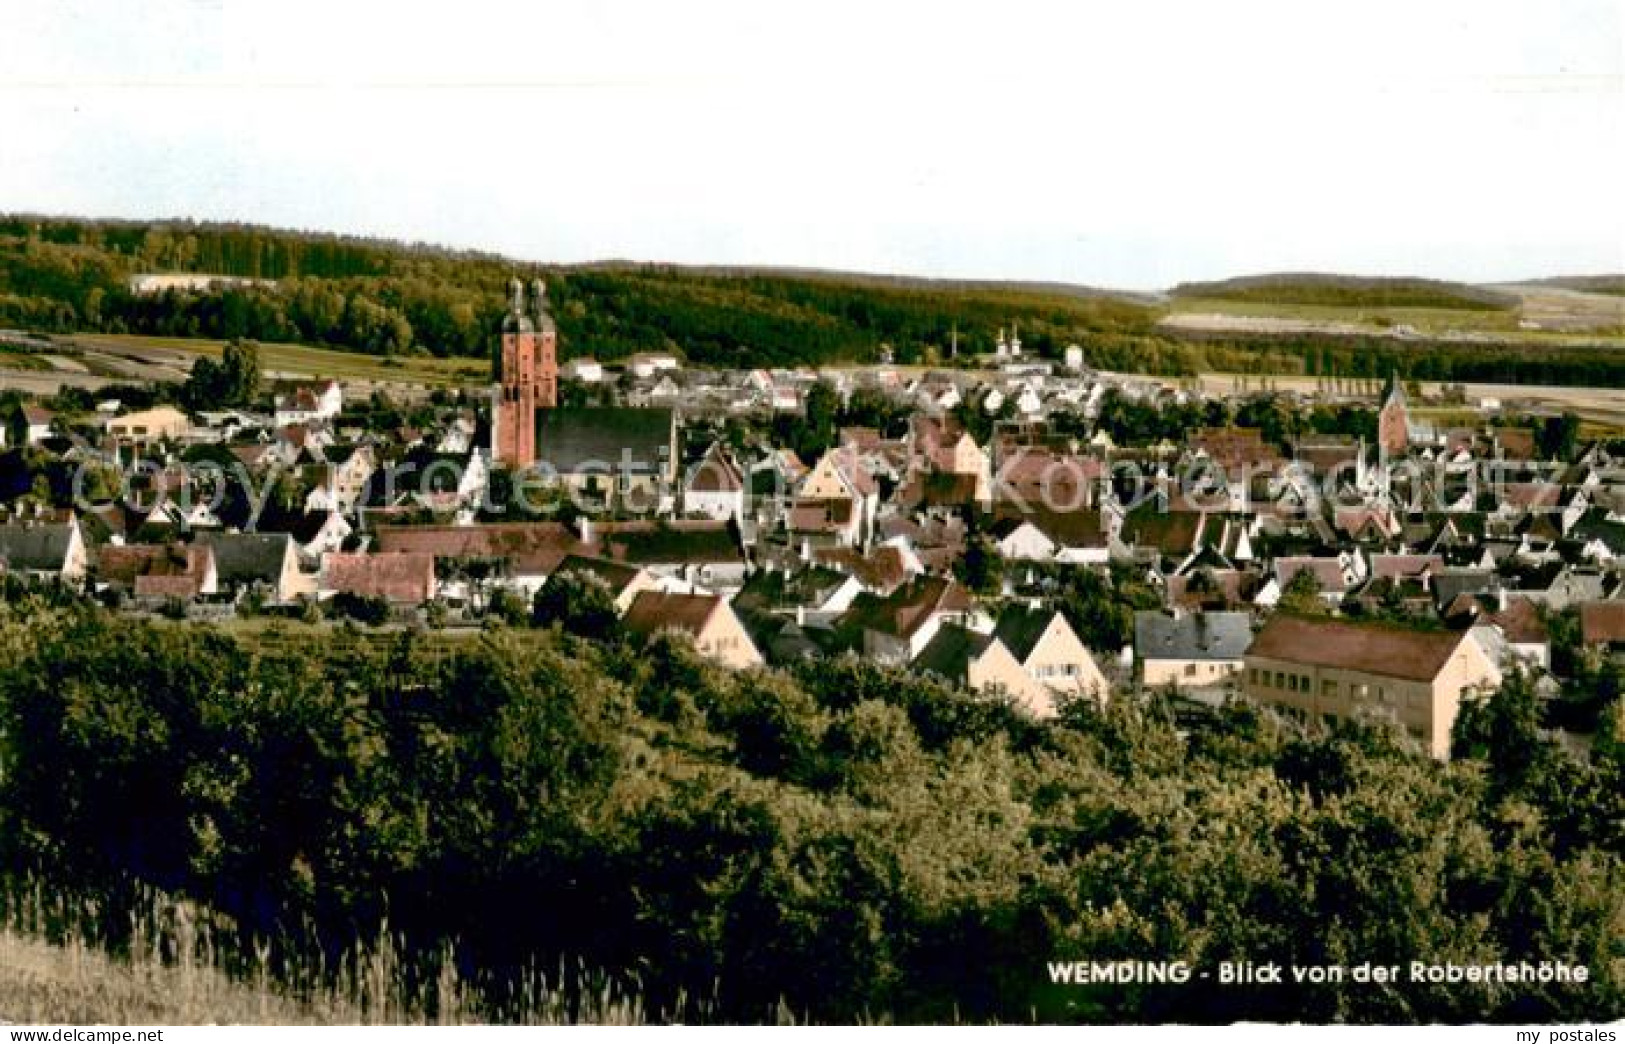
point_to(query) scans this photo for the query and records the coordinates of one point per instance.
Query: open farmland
(1540, 314)
(1602, 407)
(95, 360)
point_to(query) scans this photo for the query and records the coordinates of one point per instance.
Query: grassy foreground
(174, 971)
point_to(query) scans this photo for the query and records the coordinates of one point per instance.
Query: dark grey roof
(1191, 636)
(950, 651)
(42, 548)
(1448, 584)
(245, 558)
(1020, 628)
(617, 575)
(597, 440)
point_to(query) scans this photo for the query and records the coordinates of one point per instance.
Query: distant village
(1327, 576)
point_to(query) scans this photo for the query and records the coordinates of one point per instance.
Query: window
(1190, 670)
(1328, 688)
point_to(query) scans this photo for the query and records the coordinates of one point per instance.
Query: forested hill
(1341, 291)
(385, 297)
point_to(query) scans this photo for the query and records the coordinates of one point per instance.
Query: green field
(22, 361)
(1425, 319)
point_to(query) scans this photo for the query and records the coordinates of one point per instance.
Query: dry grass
(174, 972)
(73, 983)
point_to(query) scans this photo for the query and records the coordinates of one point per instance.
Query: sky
(1133, 145)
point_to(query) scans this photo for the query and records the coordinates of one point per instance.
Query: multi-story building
(1322, 670)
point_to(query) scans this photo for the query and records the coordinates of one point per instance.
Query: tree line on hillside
(379, 297)
(847, 840)
(385, 298)
(1339, 291)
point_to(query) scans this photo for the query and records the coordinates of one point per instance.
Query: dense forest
(846, 841)
(380, 297)
(370, 296)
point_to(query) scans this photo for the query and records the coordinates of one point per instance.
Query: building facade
(1323, 670)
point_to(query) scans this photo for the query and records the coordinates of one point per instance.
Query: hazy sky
(1132, 144)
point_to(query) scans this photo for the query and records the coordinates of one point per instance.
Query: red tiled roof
(1516, 443)
(851, 467)
(530, 546)
(820, 516)
(1328, 572)
(1521, 623)
(133, 563)
(653, 611)
(1602, 623)
(1353, 521)
(168, 586)
(1385, 567)
(401, 576)
(1209, 589)
(883, 569)
(1380, 649)
(716, 473)
(905, 610)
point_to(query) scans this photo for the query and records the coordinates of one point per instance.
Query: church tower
(529, 374)
(1393, 424)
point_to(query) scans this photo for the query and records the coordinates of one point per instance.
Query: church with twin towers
(528, 375)
(611, 456)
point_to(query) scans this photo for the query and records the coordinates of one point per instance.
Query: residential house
(586, 370)
(1602, 627)
(154, 425)
(1334, 577)
(624, 582)
(715, 487)
(1056, 663)
(895, 628)
(348, 469)
(1190, 650)
(516, 555)
(264, 562)
(840, 478)
(158, 572)
(403, 578)
(45, 551)
(35, 423)
(314, 533)
(695, 552)
(880, 570)
(647, 364)
(308, 404)
(707, 618)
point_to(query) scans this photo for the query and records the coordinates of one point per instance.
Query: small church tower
(1393, 425)
(528, 375)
